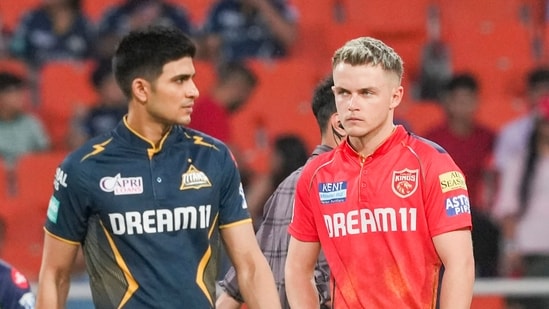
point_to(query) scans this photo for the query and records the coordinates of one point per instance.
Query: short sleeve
(446, 199)
(233, 205)
(68, 207)
(302, 226)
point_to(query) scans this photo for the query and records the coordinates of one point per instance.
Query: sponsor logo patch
(332, 192)
(457, 205)
(194, 179)
(122, 185)
(53, 209)
(60, 179)
(452, 181)
(405, 182)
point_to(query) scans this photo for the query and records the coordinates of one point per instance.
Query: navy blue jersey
(15, 292)
(148, 217)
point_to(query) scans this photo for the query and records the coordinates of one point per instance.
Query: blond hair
(367, 50)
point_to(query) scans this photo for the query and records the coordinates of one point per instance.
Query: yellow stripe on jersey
(203, 263)
(247, 220)
(132, 284)
(76, 243)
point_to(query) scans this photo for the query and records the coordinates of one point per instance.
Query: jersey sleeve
(233, 206)
(446, 199)
(68, 207)
(302, 226)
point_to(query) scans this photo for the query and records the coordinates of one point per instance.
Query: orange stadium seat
(389, 18)
(279, 105)
(314, 24)
(11, 11)
(64, 88)
(495, 44)
(34, 176)
(401, 24)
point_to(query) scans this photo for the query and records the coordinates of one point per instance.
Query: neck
(147, 128)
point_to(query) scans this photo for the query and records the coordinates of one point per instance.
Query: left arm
(455, 249)
(254, 275)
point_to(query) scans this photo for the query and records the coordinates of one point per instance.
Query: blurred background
(258, 62)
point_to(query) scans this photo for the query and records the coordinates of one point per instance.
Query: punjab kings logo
(405, 182)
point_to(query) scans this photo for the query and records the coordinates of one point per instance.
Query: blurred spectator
(471, 145)
(55, 30)
(134, 14)
(522, 207)
(108, 111)
(20, 132)
(212, 111)
(513, 136)
(289, 153)
(15, 289)
(241, 29)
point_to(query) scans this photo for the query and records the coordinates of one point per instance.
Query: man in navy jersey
(151, 202)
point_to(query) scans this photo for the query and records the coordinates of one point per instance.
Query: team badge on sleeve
(405, 182)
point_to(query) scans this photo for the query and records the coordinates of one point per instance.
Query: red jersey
(375, 218)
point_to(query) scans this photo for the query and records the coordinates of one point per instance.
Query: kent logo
(332, 192)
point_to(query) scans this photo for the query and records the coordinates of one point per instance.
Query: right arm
(299, 272)
(55, 273)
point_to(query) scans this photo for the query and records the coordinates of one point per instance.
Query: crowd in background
(506, 165)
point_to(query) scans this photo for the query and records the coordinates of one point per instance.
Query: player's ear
(396, 98)
(336, 124)
(140, 89)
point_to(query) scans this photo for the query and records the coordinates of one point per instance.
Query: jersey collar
(129, 135)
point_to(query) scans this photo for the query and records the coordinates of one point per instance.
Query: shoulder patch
(452, 181)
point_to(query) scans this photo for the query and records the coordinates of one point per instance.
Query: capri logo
(122, 185)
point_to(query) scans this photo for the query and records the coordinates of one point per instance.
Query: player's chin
(184, 120)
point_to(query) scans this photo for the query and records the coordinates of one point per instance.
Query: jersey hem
(72, 242)
(248, 220)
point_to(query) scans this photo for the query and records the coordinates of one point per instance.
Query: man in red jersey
(388, 208)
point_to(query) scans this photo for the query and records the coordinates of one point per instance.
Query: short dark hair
(9, 81)
(143, 53)
(323, 103)
(462, 81)
(538, 76)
